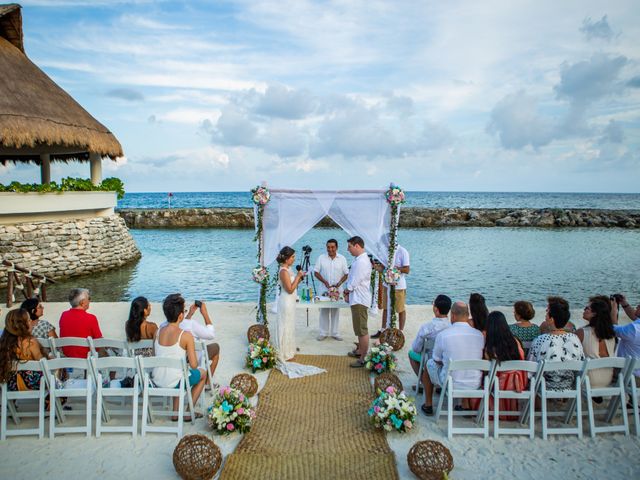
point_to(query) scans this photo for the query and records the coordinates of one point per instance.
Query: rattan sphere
(257, 331)
(246, 383)
(429, 460)
(393, 337)
(196, 457)
(385, 380)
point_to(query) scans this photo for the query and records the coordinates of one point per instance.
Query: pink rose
(390, 389)
(241, 397)
(230, 427)
(376, 409)
(264, 359)
(408, 424)
(378, 366)
(240, 411)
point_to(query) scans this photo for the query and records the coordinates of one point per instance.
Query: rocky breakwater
(59, 249)
(409, 218)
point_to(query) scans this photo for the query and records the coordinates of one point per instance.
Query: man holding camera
(628, 335)
(331, 270)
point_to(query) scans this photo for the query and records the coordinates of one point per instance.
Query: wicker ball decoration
(246, 383)
(257, 331)
(385, 380)
(429, 460)
(196, 457)
(393, 337)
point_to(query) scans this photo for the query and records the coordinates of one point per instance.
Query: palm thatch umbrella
(39, 121)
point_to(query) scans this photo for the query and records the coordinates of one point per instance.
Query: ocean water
(504, 264)
(611, 201)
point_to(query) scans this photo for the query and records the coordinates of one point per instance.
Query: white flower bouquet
(230, 411)
(393, 411)
(380, 359)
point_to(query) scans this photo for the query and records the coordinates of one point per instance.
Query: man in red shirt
(77, 322)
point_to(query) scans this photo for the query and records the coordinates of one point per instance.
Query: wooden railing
(29, 282)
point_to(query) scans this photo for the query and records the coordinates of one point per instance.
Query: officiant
(331, 270)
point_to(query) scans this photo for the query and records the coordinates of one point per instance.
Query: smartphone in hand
(198, 303)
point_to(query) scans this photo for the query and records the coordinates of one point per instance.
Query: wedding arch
(282, 217)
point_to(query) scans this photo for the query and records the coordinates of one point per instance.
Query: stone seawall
(68, 248)
(409, 218)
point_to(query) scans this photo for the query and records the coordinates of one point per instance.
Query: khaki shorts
(401, 296)
(359, 317)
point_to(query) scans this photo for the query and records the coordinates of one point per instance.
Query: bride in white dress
(284, 329)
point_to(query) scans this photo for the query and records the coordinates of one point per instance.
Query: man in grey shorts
(358, 294)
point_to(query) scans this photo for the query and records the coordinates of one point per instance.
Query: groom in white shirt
(358, 294)
(331, 271)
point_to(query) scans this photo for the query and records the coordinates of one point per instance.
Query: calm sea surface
(611, 201)
(504, 264)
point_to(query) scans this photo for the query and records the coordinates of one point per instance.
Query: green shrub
(68, 184)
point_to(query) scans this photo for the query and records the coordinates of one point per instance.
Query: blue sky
(458, 95)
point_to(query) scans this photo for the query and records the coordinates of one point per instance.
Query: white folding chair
(134, 347)
(201, 346)
(106, 365)
(452, 393)
(119, 347)
(8, 397)
(427, 348)
(58, 343)
(44, 342)
(632, 390)
(146, 364)
(571, 394)
(72, 388)
(527, 396)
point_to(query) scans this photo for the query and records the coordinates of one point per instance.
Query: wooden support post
(45, 168)
(9, 289)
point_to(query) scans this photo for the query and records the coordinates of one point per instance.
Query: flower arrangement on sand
(261, 355)
(393, 411)
(230, 411)
(380, 359)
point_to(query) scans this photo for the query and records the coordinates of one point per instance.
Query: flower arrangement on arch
(391, 276)
(259, 274)
(395, 195)
(380, 359)
(393, 410)
(260, 195)
(230, 411)
(261, 355)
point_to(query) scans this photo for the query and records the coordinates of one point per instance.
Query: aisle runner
(314, 427)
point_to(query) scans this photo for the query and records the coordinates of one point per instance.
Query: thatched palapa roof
(36, 115)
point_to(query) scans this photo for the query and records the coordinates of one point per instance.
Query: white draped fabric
(291, 213)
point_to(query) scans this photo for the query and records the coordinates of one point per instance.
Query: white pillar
(45, 168)
(96, 168)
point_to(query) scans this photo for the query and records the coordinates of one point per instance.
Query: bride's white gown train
(284, 334)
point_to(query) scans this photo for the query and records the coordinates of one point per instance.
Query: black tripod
(306, 264)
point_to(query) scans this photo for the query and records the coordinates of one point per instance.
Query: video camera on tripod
(307, 293)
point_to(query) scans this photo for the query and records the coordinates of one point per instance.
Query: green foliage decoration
(68, 184)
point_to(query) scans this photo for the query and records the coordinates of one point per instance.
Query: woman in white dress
(284, 329)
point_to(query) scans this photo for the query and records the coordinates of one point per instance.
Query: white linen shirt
(331, 269)
(629, 345)
(199, 331)
(429, 330)
(359, 281)
(460, 342)
(401, 259)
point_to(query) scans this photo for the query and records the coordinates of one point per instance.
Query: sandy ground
(119, 456)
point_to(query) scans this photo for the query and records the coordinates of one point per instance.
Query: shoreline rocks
(410, 217)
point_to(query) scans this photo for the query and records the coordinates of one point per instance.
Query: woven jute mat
(314, 427)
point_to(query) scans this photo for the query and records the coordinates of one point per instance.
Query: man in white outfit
(358, 293)
(331, 270)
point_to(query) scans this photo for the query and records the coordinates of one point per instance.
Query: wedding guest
(401, 262)
(458, 342)
(558, 345)
(547, 326)
(331, 270)
(523, 329)
(632, 313)
(78, 322)
(17, 344)
(138, 327)
(429, 330)
(174, 342)
(358, 294)
(502, 345)
(598, 338)
(478, 311)
(41, 328)
(628, 335)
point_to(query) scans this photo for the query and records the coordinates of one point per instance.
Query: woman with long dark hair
(18, 345)
(478, 311)
(598, 338)
(40, 328)
(501, 345)
(137, 327)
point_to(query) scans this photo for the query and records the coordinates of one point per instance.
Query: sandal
(427, 410)
(186, 419)
(353, 354)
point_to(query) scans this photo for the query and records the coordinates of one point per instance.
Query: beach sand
(71, 456)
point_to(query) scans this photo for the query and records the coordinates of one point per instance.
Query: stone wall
(67, 248)
(409, 218)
